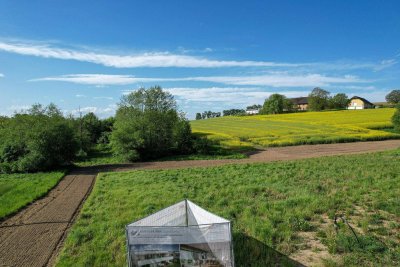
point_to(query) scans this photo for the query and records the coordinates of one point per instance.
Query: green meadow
(276, 208)
(18, 190)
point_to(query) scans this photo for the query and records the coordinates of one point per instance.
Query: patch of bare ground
(311, 251)
(382, 224)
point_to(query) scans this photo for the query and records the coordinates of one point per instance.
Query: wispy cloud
(385, 64)
(233, 95)
(100, 111)
(180, 59)
(80, 96)
(104, 97)
(271, 79)
(153, 59)
(98, 79)
(1, 75)
(281, 80)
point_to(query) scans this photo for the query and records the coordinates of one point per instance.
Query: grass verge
(18, 190)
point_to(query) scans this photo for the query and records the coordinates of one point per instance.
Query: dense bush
(147, 125)
(396, 118)
(38, 140)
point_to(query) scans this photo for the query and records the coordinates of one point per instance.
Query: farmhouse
(301, 103)
(357, 102)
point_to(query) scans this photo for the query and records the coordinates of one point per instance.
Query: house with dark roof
(301, 103)
(357, 102)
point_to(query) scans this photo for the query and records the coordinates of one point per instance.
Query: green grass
(269, 204)
(102, 155)
(99, 155)
(18, 190)
(298, 128)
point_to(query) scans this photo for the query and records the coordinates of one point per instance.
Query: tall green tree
(276, 104)
(147, 125)
(339, 101)
(318, 99)
(393, 97)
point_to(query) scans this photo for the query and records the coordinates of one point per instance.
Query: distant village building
(252, 111)
(301, 103)
(357, 102)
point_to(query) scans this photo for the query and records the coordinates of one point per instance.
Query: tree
(208, 115)
(393, 97)
(396, 118)
(339, 101)
(147, 125)
(276, 104)
(254, 107)
(92, 127)
(233, 112)
(318, 99)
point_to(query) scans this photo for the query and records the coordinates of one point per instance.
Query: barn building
(357, 102)
(301, 103)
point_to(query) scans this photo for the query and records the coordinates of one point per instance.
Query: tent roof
(184, 213)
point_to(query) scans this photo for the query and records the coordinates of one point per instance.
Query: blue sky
(212, 55)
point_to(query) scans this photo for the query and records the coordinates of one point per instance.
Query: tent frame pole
(186, 213)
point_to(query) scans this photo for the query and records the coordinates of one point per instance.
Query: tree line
(147, 125)
(42, 138)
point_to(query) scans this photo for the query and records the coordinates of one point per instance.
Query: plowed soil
(34, 236)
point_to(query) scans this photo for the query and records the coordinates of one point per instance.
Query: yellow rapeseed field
(298, 128)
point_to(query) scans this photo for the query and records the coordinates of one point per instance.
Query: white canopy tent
(183, 234)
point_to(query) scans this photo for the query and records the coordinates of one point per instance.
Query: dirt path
(272, 154)
(33, 236)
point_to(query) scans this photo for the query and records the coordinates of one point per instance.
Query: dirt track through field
(34, 236)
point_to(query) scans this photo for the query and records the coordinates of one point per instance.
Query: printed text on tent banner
(179, 235)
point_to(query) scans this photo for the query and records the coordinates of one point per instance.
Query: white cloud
(385, 64)
(1, 75)
(233, 95)
(148, 59)
(80, 96)
(271, 79)
(169, 59)
(99, 111)
(104, 97)
(281, 80)
(98, 79)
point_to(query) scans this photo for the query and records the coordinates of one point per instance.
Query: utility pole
(80, 125)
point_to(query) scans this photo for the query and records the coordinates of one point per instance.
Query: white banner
(138, 235)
